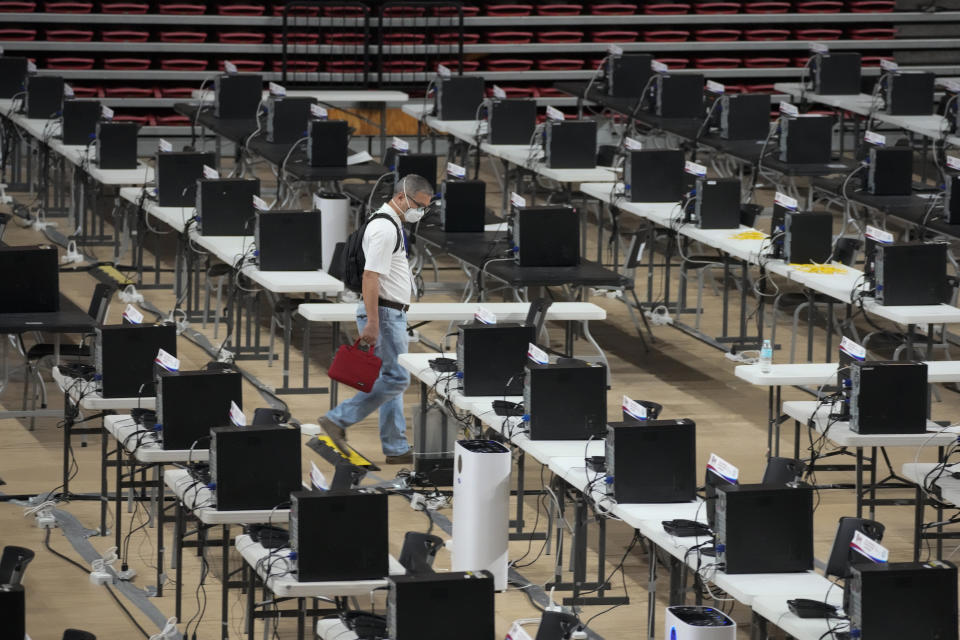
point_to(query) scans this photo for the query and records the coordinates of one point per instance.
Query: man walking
(382, 321)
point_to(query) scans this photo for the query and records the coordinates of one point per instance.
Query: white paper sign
(537, 354)
(634, 409)
(953, 162)
(875, 138)
(318, 112)
(317, 479)
(67, 91)
(236, 415)
(633, 144)
(456, 170)
(229, 67)
(31, 66)
(819, 47)
(1, 51)
(316, 202)
(785, 201)
(694, 169)
(359, 158)
(443, 71)
(164, 146)
(210, 173)
(485, 316)
(658, 67)
(723, 468)
(952, 86)
(499, 93)
(715, 87)
(788, 109)
(106, 112)
(400, 144)
(554, 114)
(614, 50)
(167, 361)
(869, 548)
(517, 200)
(518, 633)
(276, 89)
(853, 349)
(878, 235)
(259, 204)
(888, 65)
(132, 315)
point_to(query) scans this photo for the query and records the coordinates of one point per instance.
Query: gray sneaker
(337, 434)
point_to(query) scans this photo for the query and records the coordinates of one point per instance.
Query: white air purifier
(334, 222)
(481, 502)
(698, 623)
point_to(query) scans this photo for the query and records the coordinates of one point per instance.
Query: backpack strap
(384, 216)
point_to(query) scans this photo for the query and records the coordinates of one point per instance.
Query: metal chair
(13, 564)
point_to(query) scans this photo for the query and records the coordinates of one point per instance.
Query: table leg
(225, 583)
(160, 500)
(301, 617)
(178, 554)
(911, 335)
(251, 589)
(334, 345)
(104, 494)
(859, 482)
(918, 522)
(873, 481)
(651, 591)
(118, 505)
(771, 417)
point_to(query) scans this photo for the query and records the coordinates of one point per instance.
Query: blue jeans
(387, 391)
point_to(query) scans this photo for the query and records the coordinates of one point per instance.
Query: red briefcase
(355, 366)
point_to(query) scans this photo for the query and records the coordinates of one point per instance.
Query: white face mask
(413, 215)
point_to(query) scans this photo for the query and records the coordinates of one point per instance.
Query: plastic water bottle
(766, 357)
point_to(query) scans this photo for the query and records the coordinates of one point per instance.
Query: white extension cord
(130, 295)
(101, 573)
(43, 514)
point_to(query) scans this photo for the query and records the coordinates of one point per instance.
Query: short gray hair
(412, 184)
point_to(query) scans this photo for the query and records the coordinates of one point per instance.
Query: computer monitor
(31, 282)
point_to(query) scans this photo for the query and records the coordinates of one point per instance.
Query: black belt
(390, 304)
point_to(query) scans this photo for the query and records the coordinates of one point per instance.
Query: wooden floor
(688, 377)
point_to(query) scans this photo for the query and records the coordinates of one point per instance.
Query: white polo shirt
(379, 240)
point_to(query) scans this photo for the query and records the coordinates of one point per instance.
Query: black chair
(13, 564)
(418, 552)
(841, 555)
(77, 634)
(82, 352)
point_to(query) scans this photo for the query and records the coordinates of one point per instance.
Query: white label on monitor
(259, 204)
(106, 112)
(485, 316)
(443, 71)
(658, 67)
(400, 144)
(554, 114)
(317, 202)
(785, 201)
(952, 86)
(1, 51)
(210, 173)
(518, 633)
(164, 146)
(694, 169)
(723, 468)
(633, 144)
(537, 354)
(869, 548)
(317, 479)
(634, 409)
(277, 89)
(953, 162)
(614, 50)
(853, 349)
(715, 87)
(517, 200)
(878, 235)
(167, 361)
(31, 66)
(67, 90)
(499, 92)
(318, 112)
(875, 138)
(819, 47)
(788, 109)
(888, 65)
(132, 315)
(456, 170)
(236, 415)
(229, 67)
(358, 158)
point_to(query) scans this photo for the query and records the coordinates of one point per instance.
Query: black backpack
(348, 260)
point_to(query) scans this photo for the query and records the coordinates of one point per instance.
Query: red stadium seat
(404, 66)
(509, 64)
(666, 9)
(559, 9)
(143, 121)
(18, 35)
(755, 35)
(559, 36)
(454, 65)
(172, 120)
(181, 9)
(132, 8)
(509, 37)
(130, 92)
(241, 9)
(820, 6)
(516, 92)
(69, 35)
(454, 38)
(241, 37)
(818, 34)
(245, 66)
(758, 88)
(343, 11)
(871, 6)
(70, 63)
(550, 92)
(404, 38)
(183, 36)
(509, 9)
(68, 7)
(717, 8)
(184, 64)
(612, 9)
(297, 10)
(717, 35)
(86, 92)
(675, 63)
(666, 35)
(873, 33)
(771, 6)
(306, 37)
(766, 62)
(717, 63)
(466, 10)
(124, 35)
(177, 92)
(346, 66)
(11, 6)
(405, 12)
(560, 64)
(614, 36)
